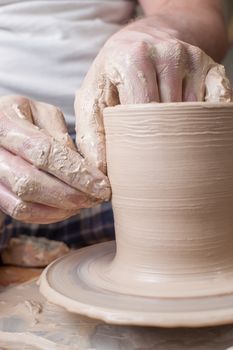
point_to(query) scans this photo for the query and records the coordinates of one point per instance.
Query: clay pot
(171, 170)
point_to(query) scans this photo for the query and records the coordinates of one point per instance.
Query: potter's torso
(47, 46)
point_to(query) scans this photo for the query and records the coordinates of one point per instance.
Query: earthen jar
(171, 170)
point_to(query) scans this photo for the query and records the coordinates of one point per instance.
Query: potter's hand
(43, 178)
(142, 64)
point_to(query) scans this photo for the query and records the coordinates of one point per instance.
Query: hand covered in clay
(142, 64)
(43, 179)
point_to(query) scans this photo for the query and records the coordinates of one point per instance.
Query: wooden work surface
(14, 275)
(51, 327)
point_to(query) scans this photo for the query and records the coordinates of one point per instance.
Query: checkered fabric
(91, 226)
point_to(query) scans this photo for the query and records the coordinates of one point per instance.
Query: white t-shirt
(47, 46)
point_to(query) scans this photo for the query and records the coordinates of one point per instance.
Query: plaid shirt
(91, 226)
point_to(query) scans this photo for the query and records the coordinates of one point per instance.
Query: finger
(33, 185)
(170, 87)
(89, 104)
(28, 212)
(197, 66)
(17, 105)
(168, 61)
(51, 119)
(217, 85)
(43, 115)
(169, 79)
(133, 74)
(41, 150)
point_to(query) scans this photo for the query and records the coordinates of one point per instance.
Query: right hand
(142, 63)
(43, 179)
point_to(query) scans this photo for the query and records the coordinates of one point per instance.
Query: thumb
(96, 93)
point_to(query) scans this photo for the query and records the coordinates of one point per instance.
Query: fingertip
(103, 189)
(217, 85)
(91, 146)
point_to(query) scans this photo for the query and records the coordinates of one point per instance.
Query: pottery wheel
(68, 282)
(26, 341)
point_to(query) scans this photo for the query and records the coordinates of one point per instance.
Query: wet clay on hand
(43, 177)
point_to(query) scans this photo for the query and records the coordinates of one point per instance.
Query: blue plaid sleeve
(5, 232)
(91, 226)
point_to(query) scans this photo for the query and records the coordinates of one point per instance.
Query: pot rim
(168, 105)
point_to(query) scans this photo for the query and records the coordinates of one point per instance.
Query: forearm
(198, 22)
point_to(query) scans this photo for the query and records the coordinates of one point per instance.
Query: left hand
(141, 64)
(43, 179)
